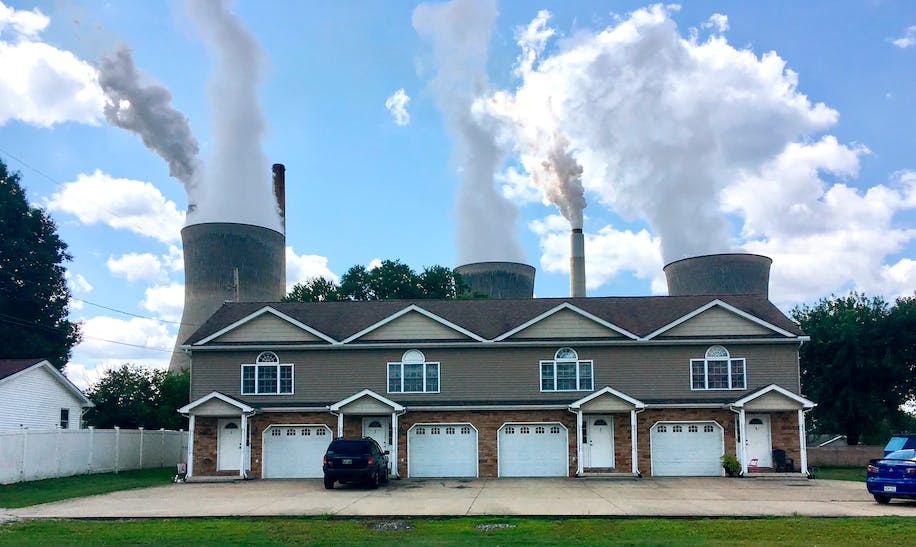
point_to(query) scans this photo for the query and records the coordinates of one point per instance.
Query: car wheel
(328, 483)
(882, 499)
(373, 481)
(385, 477)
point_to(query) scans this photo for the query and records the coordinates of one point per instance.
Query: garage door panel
(442, 450)
(686, 449)
(293, 452)
(533, 450)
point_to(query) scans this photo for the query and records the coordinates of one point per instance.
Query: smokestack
(577, 263)
(280, 191)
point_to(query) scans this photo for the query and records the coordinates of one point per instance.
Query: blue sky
(783, 128)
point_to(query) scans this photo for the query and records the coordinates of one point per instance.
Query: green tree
(317, 289)
(133, 396)
(34, 298)
(856, 367)
(441, 283)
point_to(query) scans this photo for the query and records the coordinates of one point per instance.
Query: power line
(179, 323)
(19, 322)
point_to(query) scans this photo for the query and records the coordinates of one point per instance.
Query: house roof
(8, 367)
(11, 367)
(490, 318)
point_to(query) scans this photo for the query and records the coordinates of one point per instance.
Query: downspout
(339, 421)
(578, 413)
(742, 444)
(635, 446)
(394, 439)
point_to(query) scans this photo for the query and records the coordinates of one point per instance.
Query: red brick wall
(623, 452)
(784, 435)
(645, 420)
(205, 444)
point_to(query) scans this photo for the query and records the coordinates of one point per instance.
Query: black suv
(355, 460)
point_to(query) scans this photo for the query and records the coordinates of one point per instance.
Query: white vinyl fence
(31, 454)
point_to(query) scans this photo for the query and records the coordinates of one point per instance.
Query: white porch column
(742, 446)
(802, 442)
(190, 468)
(244, 442)
(579, 464)
(634, 453)
(393, 449)
(340, 425)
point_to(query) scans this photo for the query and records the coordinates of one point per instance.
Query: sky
(444, 133)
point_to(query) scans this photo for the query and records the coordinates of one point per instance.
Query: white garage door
(686, 449)
(533, 450)
(442, 450)
(295, 451)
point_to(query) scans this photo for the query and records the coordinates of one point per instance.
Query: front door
(379, 428)
(229, 442)
(599, 441)
(758, 440)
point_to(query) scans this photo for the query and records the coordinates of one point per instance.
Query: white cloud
(40, 84)
(79, 286)
(717, 21)
(174, 259)
(907, 40)
(518, 187)
(301, 268)
(374, 263)
(166, 301)
(397, 105)
(120, 203)
(607, 253)
(136, 267)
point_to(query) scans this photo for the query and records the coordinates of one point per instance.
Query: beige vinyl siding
(267, 328)
(216, 407)
(606, 403)
(772, 402)
(493, 373)
(413, 326)
(566, 324)
(717, 322)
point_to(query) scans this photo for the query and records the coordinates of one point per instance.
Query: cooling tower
(577, 263)
(734, 273)
(499, 279)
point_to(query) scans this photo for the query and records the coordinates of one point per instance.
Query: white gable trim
(405, 311)
(607, 390)
(57, 375)
(570, 307)
(805, 403)
(186, 409)
(365, 393)
(260, 312)
(725, 306)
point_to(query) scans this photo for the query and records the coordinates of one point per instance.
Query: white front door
(757, 433)
(229, 441)
(599, 441)
(379, 428)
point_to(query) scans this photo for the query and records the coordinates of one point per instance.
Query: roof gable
(718, 318)
(607, 398)
(773, 397)
(413, 323)
(215, 401)
(366, 394)
(566, 321)
(267, 321)
(40, 366)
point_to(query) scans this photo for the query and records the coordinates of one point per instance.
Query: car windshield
(346, 448)
(908, 454)
(896, 443)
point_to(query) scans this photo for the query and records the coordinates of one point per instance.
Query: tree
(858, 366)
(133, 396)
(390, 280)
(34, 298)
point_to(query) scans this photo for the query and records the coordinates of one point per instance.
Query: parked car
(899, 441)
(893, 476)
(355, 460)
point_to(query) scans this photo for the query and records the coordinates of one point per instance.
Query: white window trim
(729, 360)
(553, 362)
(401, 365)
(277, 365)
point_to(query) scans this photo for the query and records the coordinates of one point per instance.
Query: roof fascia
(405, 311)
(607, 390)
(723, 305)
(806, 403)
(258, 313)
(365, 393)
(559, 308)
(186, 409)
(58, 376)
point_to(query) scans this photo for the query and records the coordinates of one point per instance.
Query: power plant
(499, 279)
(230, 262)
(728, 273)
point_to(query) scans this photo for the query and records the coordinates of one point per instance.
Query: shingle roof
(8, 367)
(489, 318)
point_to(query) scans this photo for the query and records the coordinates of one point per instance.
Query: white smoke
(459, 32)
(146, 109)
(237, 184)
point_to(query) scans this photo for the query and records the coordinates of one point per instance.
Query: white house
(35, 395)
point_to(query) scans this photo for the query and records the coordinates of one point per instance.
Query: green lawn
(841, 473)
(22, 494)
(462, 531)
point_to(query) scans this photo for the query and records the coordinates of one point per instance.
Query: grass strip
(22, 494)
(462, 531)
(840, 473)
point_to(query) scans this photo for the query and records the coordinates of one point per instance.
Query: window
(267, 376)
(708, 429)
(566, 372)
(65, 418)
(413, 374)
(717, 371)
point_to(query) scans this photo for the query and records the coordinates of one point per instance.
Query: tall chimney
(577, 263)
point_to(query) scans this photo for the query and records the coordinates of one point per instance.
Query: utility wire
(19, 322)
(134, 314)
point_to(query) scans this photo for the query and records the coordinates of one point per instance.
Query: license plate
(890, 488)
(348, 461)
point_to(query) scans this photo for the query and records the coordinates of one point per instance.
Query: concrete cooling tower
(499, 279)
(229, 262)
(732, 273)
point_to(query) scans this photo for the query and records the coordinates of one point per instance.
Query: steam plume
(459, 32)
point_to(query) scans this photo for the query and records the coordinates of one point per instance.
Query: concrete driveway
(581, 497)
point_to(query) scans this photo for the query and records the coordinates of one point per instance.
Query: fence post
(141, 446)
(117, 461)
(91, 448)
(57, 452)
(161, 447)
(25, 448)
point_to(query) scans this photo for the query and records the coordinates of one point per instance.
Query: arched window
(267, 357)
(717, 370)
(413, 374)
(267, 376)
(566, 372)
(566, 354)
(413, 356)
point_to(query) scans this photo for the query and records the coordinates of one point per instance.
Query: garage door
(686, 449)
(533, 450)
(294, 452)
(442, 450)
